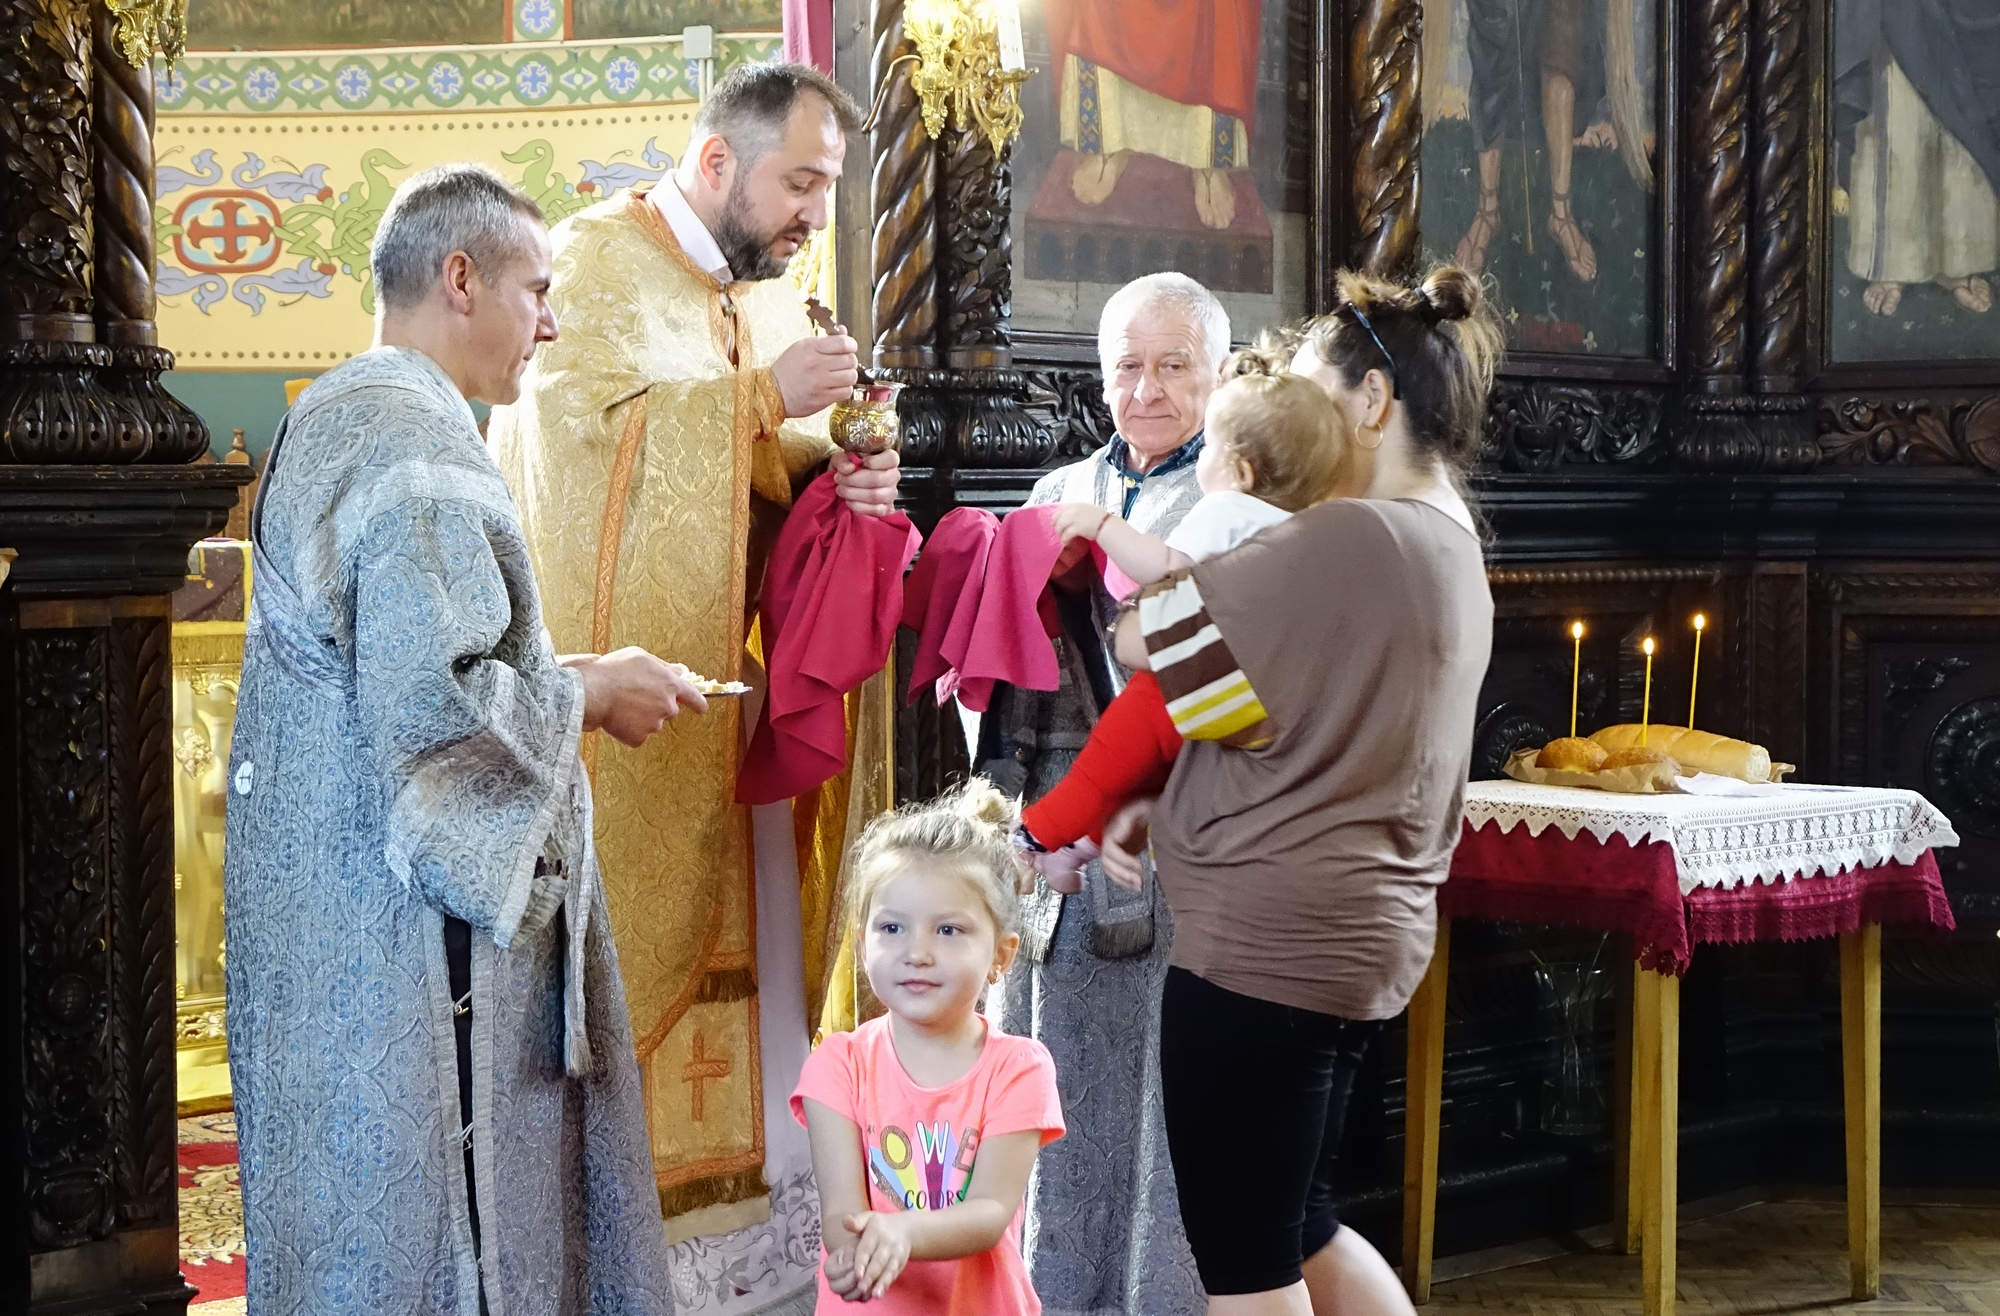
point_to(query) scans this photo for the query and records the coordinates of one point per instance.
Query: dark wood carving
(1071, 405)
(1911, 431)
(931, 755)
(1907, 681)
(122, 138)
(1385, 118)
(1784, 126)
(139, 701)
(1719, 234)
(1532, 426)
(122, 144)
(975, 257)
(65, 1078)
(45, 117)
(903, 182)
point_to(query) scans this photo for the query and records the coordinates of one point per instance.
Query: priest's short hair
(453, 207)
(749, 106)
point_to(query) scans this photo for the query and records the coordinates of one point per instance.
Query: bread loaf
(1571, 754)
(1695, 751)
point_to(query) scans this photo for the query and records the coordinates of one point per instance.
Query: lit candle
(1694, 673)
(1575, 671)
(1646, 706)
(1007, 18)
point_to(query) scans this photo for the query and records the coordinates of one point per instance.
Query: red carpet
(211, 1214)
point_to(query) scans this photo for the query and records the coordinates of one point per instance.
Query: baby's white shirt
(1220, 521)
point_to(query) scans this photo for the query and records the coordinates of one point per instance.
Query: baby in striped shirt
(1274, 444)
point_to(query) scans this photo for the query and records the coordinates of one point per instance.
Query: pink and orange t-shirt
(920, 1145)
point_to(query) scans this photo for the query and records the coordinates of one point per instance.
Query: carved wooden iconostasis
(1746, 253)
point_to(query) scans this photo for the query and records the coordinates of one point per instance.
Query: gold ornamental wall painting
(274, 167)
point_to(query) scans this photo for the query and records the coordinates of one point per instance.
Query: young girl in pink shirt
(925, 1122)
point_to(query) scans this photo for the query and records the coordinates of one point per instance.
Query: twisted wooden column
(1720, 249)
(903, 202)
(1720, 434)
(1780, 218)
(122, 144)
(975, 292)
(1385, 118)
(51, 407)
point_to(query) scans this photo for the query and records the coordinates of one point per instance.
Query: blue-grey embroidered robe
(406, 748)
(1104, 1233)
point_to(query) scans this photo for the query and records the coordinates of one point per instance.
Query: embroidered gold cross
(702, 1068)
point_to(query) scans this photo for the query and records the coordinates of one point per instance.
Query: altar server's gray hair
(1178, 292)
(454, 207)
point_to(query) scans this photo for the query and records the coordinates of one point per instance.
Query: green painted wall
(250, 400)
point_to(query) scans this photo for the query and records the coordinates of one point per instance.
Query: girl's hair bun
(1253, 362)
(981, 802)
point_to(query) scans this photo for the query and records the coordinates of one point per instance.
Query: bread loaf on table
(1695, 751)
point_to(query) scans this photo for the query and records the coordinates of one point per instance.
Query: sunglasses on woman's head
(1395, 383)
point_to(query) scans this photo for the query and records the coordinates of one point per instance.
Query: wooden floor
(1775, 1257)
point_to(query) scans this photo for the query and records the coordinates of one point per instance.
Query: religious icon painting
(1914, 223)
(1542, 168)
(1162, 135)
(294, 24)
(593, 20)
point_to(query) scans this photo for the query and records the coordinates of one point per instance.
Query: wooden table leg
(1861, 1057)
(1657, 1029)
(1424, 1089)
(1627, 1207)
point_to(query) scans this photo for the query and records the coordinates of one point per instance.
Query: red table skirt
(1615, 886)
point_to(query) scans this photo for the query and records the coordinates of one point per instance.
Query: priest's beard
(748, 251)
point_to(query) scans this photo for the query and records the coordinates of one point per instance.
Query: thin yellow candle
(1646, 705)
(1575, 671)
(1694, 673)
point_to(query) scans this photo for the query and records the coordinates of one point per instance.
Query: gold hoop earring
(1376, 430)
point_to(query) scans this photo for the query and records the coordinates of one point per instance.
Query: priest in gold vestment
(652, 453)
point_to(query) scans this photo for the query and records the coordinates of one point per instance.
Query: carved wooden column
(87, 1101)
(903, 189)
(122, 139)
(51, 406)
(1780, 353)
(1385, 120)
(1749, 115)
(989, 426)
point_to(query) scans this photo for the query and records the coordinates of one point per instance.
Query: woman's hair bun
(1448, 293)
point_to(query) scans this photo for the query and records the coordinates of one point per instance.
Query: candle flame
(1700, 621)
(1647, 646)
(1576, 630)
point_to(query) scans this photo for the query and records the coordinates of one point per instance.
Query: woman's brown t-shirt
(1306, 871)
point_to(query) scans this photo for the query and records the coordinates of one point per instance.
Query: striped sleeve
(1208, 696)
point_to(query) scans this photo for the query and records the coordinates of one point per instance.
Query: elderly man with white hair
(1104, 1231)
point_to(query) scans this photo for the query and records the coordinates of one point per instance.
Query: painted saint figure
(1543, 68)
(1917, 135)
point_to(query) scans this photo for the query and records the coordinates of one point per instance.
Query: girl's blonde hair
(967, 831)
(1284, 425)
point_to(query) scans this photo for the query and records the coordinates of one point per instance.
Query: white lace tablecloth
(1722, 841)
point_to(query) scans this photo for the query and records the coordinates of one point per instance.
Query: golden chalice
(865, 423)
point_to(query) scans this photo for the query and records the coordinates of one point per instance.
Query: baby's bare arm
(1143, 557)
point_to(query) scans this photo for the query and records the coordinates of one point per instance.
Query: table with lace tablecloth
(1670, 872)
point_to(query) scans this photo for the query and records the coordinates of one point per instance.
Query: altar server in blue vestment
(437, 1103)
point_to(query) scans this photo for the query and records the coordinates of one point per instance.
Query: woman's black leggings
(1255, 1095)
